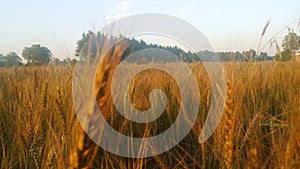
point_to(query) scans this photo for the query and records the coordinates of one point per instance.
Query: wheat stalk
(229, 126)
(86, 149)
(261, 37)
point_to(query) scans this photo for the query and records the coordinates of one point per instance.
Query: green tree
(37, 55)
(290, 44)
(86, 47)
(285, 55)
(1, 60)
(92, 43)
(291, 41)
(249, 55)
(80, 45)
(12, 59)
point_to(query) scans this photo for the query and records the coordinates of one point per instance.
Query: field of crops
(259, 127)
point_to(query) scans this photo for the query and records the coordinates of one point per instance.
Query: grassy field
(259, 128)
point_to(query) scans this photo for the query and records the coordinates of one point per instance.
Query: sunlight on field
(259, 129)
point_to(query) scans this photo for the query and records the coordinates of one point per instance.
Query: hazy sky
(57, 24)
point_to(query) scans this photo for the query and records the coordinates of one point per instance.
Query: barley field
(259, 127)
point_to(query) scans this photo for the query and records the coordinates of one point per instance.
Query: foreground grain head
(86, 150)
(230, 115)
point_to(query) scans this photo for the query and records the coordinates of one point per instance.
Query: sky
(228, 25)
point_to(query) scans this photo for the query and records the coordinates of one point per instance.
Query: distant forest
(187, 56)
(87, 46)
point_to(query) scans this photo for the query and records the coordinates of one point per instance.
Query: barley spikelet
(35, 148)
(278, 50)
(261, 37)
(60, 103)
(86, 149)
(253, 158)
(44, 125)
(252, 95)
(265, 28)
(44, 95)
(51, 158)
(112, 116)
(34, 153)
(229, 126)
(288, 155)
(250, 128)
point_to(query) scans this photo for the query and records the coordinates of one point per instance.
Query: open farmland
(259, 127)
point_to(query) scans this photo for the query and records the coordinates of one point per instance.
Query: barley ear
(86, 150)
(229, 125)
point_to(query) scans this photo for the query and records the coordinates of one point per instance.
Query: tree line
(86, 50)
(34, 55)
